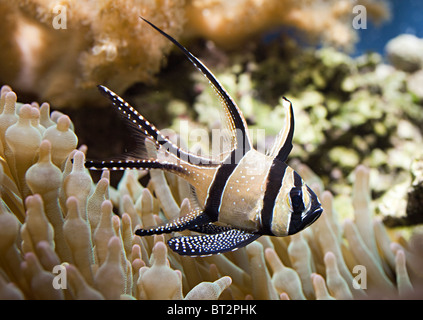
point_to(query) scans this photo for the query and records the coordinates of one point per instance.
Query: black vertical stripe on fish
(298, 182)
(217, 189)
(273, 185)
(296, 196)
(233, 109)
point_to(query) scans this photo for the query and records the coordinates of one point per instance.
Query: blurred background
(406, 17)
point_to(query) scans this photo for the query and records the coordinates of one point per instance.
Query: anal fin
(208, 244)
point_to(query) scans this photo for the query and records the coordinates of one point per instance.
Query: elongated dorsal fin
(144, 129)
(238, 125)
(283, 143)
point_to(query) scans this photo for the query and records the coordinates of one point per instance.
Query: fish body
(235, 199)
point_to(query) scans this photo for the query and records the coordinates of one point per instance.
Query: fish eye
(296, 196)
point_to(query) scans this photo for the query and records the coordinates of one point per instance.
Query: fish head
(296, 208)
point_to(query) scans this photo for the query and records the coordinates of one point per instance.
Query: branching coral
(61, 50)
(59, 237)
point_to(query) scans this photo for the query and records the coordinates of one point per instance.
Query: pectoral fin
(208, 244)
(193, 219)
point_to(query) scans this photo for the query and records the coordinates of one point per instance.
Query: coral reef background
(60, 50)
(358, 141)
(54, 220)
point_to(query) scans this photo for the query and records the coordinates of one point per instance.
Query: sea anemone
(62, 236)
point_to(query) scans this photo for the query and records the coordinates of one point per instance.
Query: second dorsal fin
(283, 143)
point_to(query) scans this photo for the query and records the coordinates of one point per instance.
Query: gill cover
(296, 207)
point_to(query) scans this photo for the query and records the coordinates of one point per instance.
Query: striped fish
(235, 200)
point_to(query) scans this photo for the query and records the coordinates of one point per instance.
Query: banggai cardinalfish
(236, 199)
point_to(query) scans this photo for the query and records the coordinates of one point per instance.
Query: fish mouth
(312, 217)
(314, 212)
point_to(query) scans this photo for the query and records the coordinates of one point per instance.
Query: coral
(60, 50)
(57, 218)
(405, 52)
(415, 193)
(231, 23)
